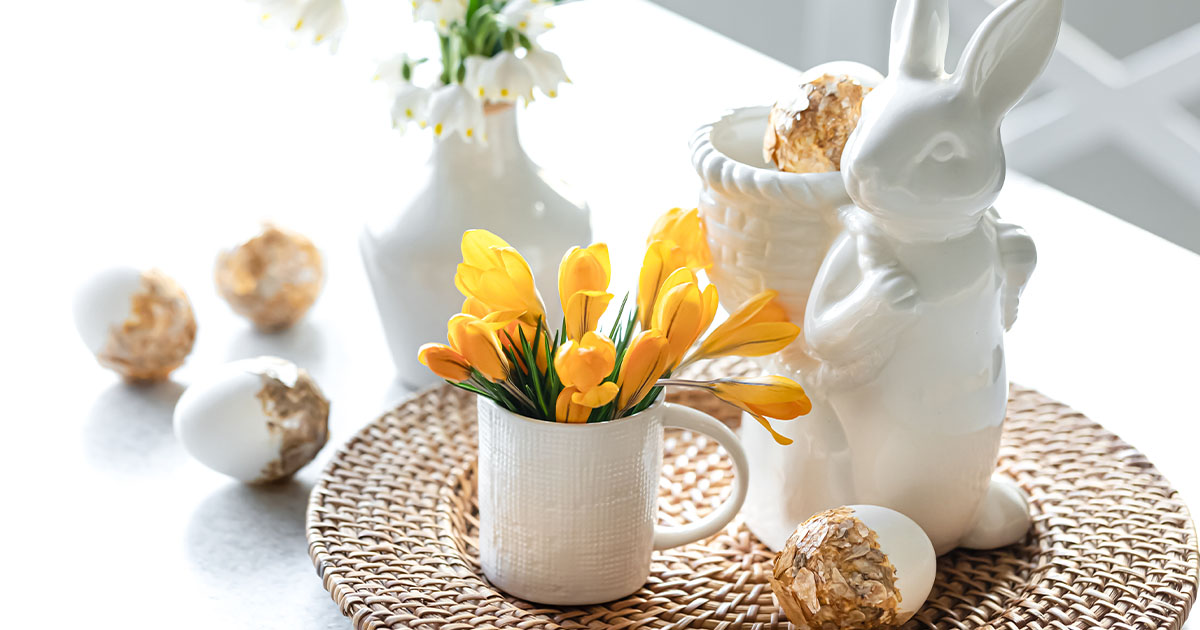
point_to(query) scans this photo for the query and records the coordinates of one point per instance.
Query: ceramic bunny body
(908, 310)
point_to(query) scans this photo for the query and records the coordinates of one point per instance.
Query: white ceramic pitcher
(567, 511)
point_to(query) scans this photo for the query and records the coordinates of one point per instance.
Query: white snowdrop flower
(527, 16)
(442, 13)
(454, 109)
(411, 105)
(320, 20)
(505, 77)
(471, 66)
(547, 70)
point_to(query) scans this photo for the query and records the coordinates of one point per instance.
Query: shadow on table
(247, 544)
(241, 531)
(302, 344)
(128, 429)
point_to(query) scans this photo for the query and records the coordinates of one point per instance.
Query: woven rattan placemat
(392, 526)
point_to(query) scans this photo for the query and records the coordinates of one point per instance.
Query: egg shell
(104, 301)
(865, 75)
(221, 422)
(909, 550)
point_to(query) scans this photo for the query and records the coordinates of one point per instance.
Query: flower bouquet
(571, 419)
(501, 347)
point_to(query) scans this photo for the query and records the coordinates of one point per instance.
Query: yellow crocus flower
(762, 397)
(583, 269)
(757, 328)
(497, 276)
(661, 260)
(584, 364)
(765, 397)
(478, 248)
(445, 362)
(583, 312)
(565, 410)
(598, 396)
(686, 229)
(644, 363)
(776, 397)
(476, 341)
(583, 278)
(683, 312)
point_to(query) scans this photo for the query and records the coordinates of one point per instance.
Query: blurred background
(1115, 120)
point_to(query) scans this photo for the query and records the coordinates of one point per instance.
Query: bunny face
(921, 160)
(926, 159)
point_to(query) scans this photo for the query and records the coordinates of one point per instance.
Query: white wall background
(1115, 121)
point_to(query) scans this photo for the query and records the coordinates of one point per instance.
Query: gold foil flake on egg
(807, 132)
(157, 335)
(271, 279)
(298, 412)
(832, 575)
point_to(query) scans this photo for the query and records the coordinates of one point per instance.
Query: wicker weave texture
(392, 531)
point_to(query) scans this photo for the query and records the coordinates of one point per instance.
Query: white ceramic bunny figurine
(909, 307)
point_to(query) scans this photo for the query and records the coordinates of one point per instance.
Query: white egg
(256, 420)
(103, 302)
(138, 323)
(910, 551)
(865, 75)
(860, 566)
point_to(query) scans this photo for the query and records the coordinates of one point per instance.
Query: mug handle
(684, 417)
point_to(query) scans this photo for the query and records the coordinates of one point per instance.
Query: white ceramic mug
(567, 511)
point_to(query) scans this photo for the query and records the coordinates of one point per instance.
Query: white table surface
(150, 132)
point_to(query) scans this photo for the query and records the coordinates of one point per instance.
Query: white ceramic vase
(411, 254)
(567, 511)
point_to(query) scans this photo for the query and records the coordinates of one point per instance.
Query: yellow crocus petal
(757, 328)
(474, 306)
(772, 396)
(445, 362)
(585, 363)
(521, 279)
(755, 340)
(476, 341)
(711, 301)
(678, 277)
(645, 361)
(686, 229)
(583, 312)
(661, 260)
(477, 248)
(567, 411)
(779, 439)
(750, 309)
(598, 396)
(678, 315)
(466, 278)
(583, 269)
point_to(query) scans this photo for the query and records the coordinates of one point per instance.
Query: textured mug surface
(567, 511)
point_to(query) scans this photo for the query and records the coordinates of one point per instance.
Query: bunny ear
(920, 29)
(1008, 51)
